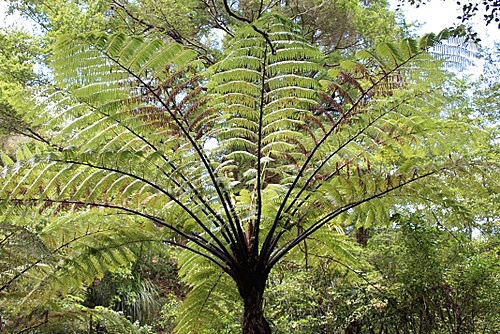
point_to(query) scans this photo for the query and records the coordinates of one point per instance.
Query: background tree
(456, 291)
(19, 53)
(341, 26)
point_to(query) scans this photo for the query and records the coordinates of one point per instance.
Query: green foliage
(55, 18)
(455, 292)
(41, 264)
(342, 24)
(212, 304)
(266, 94)
(53, 251)
(320, 298)
(419, 277)
(241, 163)
(19, 54)
(76, 319)
(127, 292)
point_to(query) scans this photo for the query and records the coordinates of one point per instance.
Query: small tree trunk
(251, 288)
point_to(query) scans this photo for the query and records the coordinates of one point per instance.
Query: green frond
(427, 41)
(64, 255)
(114, 322)
(242, 87)
(333, 243)
(391, 51)
(273, 83)
(212, 294)
(67, 314)
(6, 160)
(123, 55)
(409, 47)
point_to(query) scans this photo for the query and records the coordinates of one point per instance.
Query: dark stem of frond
(169, 195)
(331, 215)
(271, 241)
(255, 233)
(229, 210)
(205, 204)
(220, 253)
(323, 163)
(266, 37)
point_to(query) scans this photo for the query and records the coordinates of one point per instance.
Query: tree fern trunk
(254, 321)
(251, 287)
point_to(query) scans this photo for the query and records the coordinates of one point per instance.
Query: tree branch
(232, 14)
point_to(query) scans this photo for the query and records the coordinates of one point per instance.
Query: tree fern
(295, 147)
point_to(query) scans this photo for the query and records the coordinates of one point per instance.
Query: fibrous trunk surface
(251, 287)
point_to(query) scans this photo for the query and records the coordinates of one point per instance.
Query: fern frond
(212, 293)
(70, 253)
(265, 88)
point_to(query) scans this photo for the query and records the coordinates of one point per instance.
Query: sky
(4, 19)
(438, 14)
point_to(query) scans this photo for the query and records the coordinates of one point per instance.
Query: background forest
(207, 166)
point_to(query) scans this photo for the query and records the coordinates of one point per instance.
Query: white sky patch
(437, 15)
(433, 16)
(210, 144)
(6, 20)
